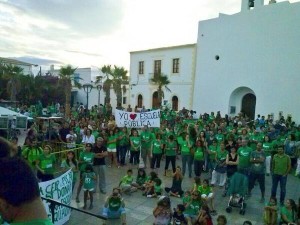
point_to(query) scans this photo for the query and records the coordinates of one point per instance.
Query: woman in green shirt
(199, 157)
(156, 151)
(268, 149)
(45, 165)
(170, 152)
(135, 146)
(112, 148)
(288, 213)
(186, 155)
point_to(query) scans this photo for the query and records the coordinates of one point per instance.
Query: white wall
(258, 49)
(181, 83)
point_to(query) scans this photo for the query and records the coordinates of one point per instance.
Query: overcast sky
(88, 33)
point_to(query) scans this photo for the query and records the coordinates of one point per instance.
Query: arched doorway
(140, 101)
(155, 101)
(242, 99)
(175, 103)
(248, 105)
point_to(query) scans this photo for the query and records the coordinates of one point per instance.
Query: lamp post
(87, 89)
(99, 88)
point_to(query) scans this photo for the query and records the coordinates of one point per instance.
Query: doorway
(248, 105)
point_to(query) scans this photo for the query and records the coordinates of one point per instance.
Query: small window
(157, 67)
(232, 109)
(141, 67)
(175, 65)
(124, 100)
(140, 101)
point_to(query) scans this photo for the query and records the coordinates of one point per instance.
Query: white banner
(59, 189)
(137, 120)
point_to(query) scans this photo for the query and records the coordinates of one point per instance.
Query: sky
(93, 33)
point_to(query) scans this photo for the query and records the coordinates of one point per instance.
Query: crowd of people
(218, 146)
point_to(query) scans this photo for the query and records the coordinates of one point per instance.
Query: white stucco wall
(181, 83)
(258, 49)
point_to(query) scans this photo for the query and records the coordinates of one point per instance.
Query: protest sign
(137, 120)
(59, 189)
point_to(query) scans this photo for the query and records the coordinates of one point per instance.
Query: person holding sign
(71, 163)
(114, 207)
(20, 201)
(85, 158)
(88, 180)
(45, 165)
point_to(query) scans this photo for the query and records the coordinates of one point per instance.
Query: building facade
(246, 62)
(177, 62)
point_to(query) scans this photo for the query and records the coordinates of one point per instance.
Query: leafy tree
(161, 81)
(66, 74)
(117, 77)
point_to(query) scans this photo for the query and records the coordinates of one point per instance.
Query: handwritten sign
(137, 120)
(59, 189)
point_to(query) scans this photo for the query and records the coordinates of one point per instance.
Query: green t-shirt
(136, 142)
(199, 154)
(213, 148)
(141, 180)
(204, 190)
(127, 180)
(244, 157)
(220, 137)
(268, 148)
(156, 147)
(171, 148)
(35, 222)
(157, 188)
(32, 154)
(257, 168)
(193, 208)
(123, 138)
(221, 155)
(114, 203)
(281, 163)
(113, 144)
(146, 138)
(86, 158)
(289, 214)
(186, 199)
(47, 163)
(96, 134)
(185, 150)
(88, 180)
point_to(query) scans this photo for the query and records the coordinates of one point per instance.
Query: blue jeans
(122, 154)
(275, 180)
(187, 159)
(113, 214)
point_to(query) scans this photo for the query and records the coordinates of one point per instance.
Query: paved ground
(139, 208)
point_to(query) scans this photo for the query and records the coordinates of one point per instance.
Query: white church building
(246, 62)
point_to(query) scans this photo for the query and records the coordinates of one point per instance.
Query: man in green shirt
(244, 157)
(281, 166)
(20, 206)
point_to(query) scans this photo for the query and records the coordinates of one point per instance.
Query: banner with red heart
(132, 116)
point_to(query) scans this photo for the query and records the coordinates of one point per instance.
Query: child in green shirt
(88, 180)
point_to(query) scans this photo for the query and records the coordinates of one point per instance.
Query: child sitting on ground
(178, 216)
(156, 190)
(149, 184)
(162, 212)
(270, 212)
(197, 184)
(207, 195)
(140, 179)
(88, 179)
(126, 183)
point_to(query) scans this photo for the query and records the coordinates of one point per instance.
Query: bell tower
(251, 4)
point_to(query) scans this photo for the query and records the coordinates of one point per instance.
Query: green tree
(117, 78)
(66, 74)
(161, 81)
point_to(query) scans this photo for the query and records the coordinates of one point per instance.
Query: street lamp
(99, 88)
(87, 89)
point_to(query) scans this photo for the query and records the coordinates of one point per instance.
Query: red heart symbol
(132, 116)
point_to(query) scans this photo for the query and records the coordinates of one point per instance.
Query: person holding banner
(20, 205)
(71, 163)
(135, 144)
(45, 165)
(146, 140)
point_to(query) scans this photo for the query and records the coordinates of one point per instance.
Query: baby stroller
(237, 191)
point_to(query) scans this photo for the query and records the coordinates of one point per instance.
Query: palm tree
(12, 73)
(161, 81)
(66, 74)
(115, 77)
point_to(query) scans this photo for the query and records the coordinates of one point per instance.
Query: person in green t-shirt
(123, 141)
(199, 157)
(114, 207)
(288, 213)
(85, 158)
(186, 154)
(71, 163)
(170, 152)
(212, 155)
(192, 207)
(156, 150)
(140, 179)
(135, 146)
(146, 143)
(126, 183)
(281, 166)
(269, 152)
(22, 205)
(32, 152)
(219, 173)
(45, 164)
(112, 148)
(88, 180)
(244, 157)
(257, 170)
